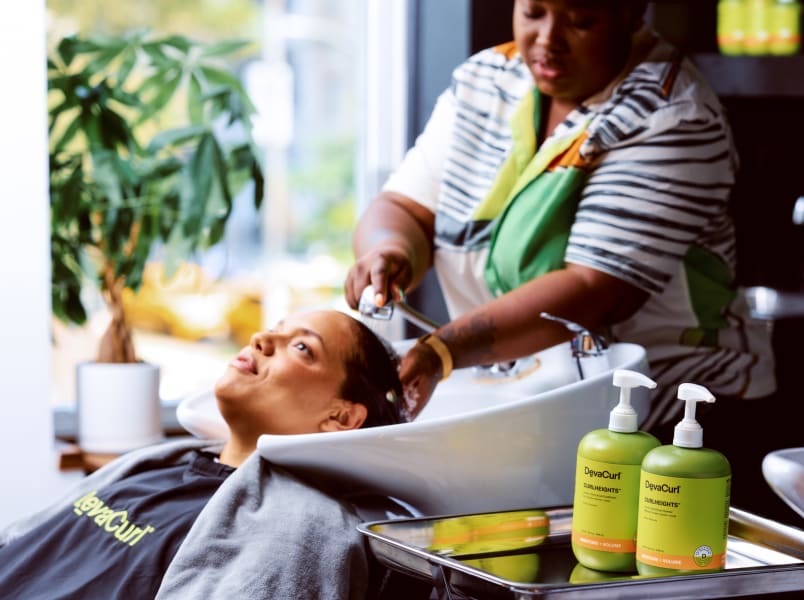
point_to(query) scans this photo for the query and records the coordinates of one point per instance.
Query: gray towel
(265, 534)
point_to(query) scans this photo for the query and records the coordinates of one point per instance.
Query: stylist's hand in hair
(393, 246)
(386, 270)
(419, 372)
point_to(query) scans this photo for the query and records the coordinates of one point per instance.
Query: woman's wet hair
(372, 378)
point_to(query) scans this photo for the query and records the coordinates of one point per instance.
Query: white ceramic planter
(118, 406)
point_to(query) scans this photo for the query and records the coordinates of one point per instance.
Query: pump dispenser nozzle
(623, 417)
(689, 433)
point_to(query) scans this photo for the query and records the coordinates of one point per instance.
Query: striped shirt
(653, 212)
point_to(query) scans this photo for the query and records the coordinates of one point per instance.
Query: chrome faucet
(368, 308)
(589, 350)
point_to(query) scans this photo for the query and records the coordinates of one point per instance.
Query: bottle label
(785, 35)
(757, 34)
(731, 26)
(604, 508)
(683, 523)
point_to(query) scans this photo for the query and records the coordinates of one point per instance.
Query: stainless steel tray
(527, 554)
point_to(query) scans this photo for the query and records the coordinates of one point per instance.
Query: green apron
(532, 201)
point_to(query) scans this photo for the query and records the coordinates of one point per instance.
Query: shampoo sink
(480, 444)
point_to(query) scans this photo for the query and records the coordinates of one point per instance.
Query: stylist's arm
(394, 243)
(509, 327)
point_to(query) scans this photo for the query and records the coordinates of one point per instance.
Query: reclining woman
(194, 519)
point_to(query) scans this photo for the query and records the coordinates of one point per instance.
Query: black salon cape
(113, 542)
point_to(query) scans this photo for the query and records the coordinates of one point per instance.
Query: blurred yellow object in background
(731, 25)
(245, 318)
(192, 306)
(785, 27)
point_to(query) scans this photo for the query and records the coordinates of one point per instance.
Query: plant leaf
(196, 186)
(219, 204)
(127, 65)
(66, 49)
(224, 47)
(164, 83)
(66, 137)
(179, 42)
(195, 100)
(175, 137)
(220, 77)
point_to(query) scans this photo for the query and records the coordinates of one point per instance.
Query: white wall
(27, 460)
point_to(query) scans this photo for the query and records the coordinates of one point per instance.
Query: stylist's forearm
(510, 326)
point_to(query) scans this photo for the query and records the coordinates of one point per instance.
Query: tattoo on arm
(472, 343)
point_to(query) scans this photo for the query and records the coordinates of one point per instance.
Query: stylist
(599, 195)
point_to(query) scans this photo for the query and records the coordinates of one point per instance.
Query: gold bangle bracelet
(440, 348)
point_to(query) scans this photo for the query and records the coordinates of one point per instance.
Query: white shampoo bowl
(784, 472)
(479, 444)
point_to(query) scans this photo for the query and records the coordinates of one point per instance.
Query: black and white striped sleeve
(648, 201)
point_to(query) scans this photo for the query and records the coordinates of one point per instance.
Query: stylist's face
(288, 379)
(573, 48)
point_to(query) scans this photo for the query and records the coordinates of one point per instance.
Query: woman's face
(573, 48)
(289, 378)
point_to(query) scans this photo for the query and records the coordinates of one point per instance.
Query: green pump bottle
(683, 518)
(607, 484)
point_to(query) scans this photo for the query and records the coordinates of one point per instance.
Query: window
(327, 77)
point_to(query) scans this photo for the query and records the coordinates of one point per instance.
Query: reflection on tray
(489, 555)
(581, 574)
(498, 543)
(489, 532)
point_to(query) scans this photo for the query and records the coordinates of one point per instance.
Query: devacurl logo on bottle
(702, 556)
(662, 487)
(604, 474)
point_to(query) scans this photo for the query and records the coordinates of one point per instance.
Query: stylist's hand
(388, 270)
(419, 372)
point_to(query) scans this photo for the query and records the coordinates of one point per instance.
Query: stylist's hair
(372, 378)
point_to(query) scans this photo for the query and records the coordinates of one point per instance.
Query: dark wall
(439, 41)
(490, 23)
(768, 133)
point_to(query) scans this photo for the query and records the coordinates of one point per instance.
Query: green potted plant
(150, 140)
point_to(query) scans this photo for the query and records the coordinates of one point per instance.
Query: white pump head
(689, 433)
(623, 417)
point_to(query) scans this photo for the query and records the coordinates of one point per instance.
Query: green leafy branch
(150, 140)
